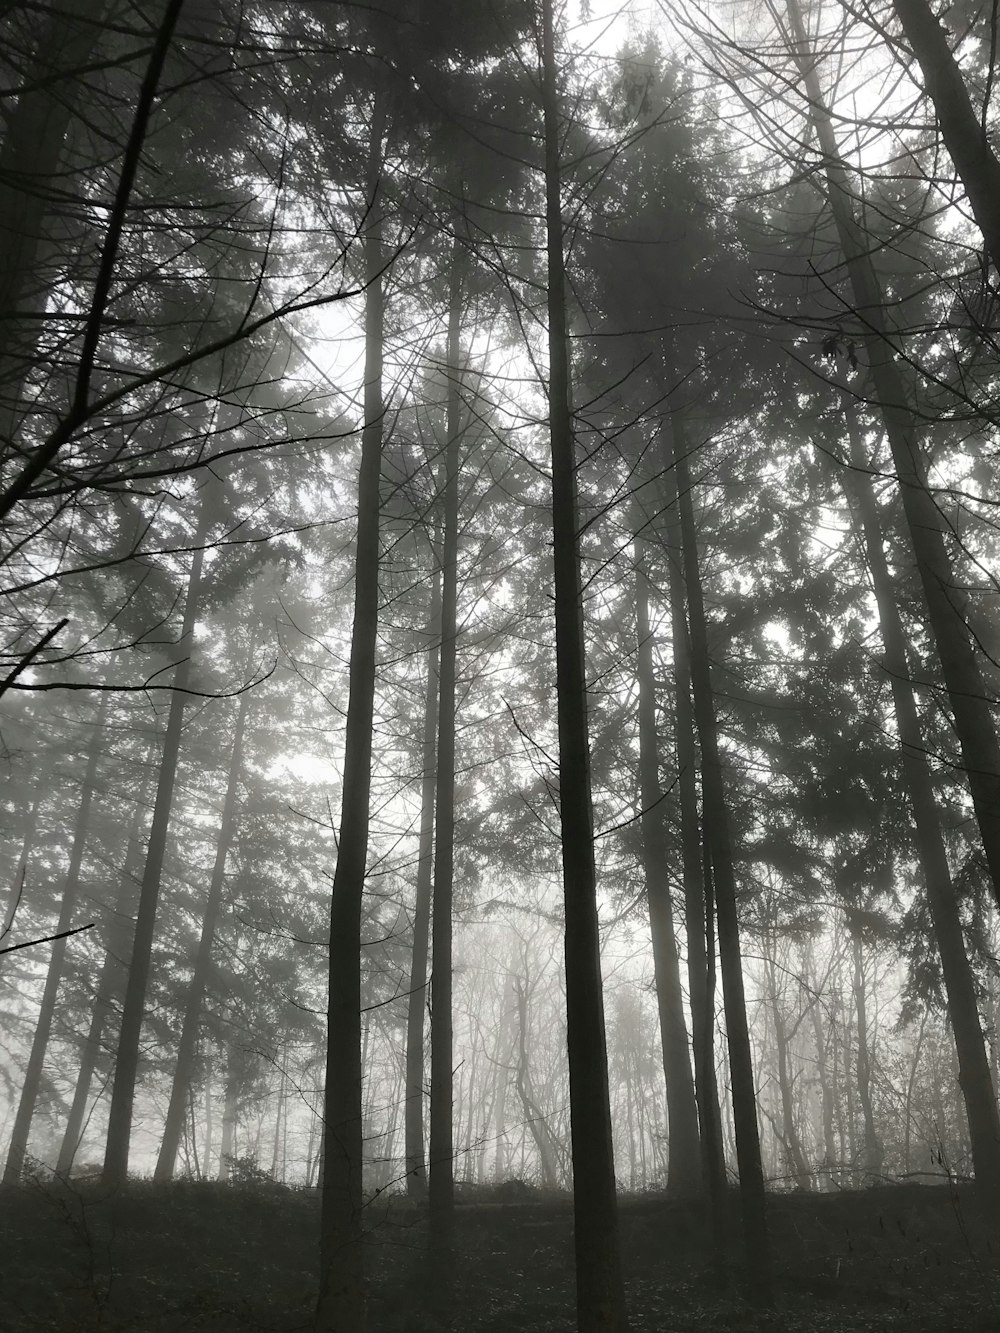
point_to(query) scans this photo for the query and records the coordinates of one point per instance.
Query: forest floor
(191, 1257)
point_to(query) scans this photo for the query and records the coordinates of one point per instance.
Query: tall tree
(442, 1179)
(684, 1165)
(416, 1004)
(341, 1305)
(719, 841)
(599, 1285)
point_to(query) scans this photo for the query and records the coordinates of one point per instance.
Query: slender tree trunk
(873, 1152)
(230, 1110)
(441, 1184)
(964, 135)
(209, 1121)
(854, 1153)
(797, 1163)
(910, 1085)
(536, 1122)
(684, 1169)
(599, 1285)
(501, 1066)
(53, 978)
(127, 1059)
(194, 1169)
(180, 1091)
(975, 1077)
(416, 1176)
(840, 1078)
(312, 1148)
(697, 881)
(341, 1304)
(110, 986)
(822, 1042)
(946, 601)
(717, 833)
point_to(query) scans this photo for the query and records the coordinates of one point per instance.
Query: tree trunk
(684, 1171)
(110, 986)
(280, 1118)
(416, 1177)
(441, 1184)
(697, 881)
(180, 1091)
(717, 834)
(964, 136)
(53, 978)
(946, 601)
(194, 1167)
(840, 1077)
(910, 1085)
(822, 1042)
(502, 1074)
(127, 1058)
(873, 1152)
(536, 1122)
(209, 1123)
(975, 1077)
(792, 1144)
(341, 1304)
(35, 462)
(230, 1110)
(599, 1285)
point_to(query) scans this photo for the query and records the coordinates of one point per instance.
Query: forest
(500, 666)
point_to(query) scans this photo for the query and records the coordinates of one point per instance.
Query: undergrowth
(189, 1256)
